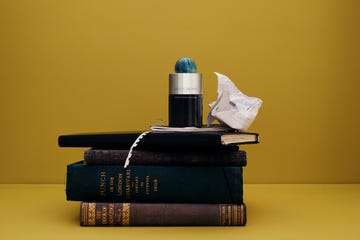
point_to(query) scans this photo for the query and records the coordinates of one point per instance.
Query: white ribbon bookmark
(127, 161)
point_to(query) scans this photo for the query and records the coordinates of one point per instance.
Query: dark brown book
(159, 214)
(226, 157)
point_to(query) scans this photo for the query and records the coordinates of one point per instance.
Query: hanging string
(136, 142)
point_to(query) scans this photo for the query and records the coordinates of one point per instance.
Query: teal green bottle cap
(185, 65)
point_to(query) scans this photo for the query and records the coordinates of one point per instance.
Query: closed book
(225, 157)
(158, 140)
(175, 184)
(161, 214)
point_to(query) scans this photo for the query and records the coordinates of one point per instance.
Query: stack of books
(173, 179)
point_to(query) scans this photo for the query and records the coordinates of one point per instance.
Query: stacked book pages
(173, 179)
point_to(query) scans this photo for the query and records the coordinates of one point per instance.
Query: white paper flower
(232, 107)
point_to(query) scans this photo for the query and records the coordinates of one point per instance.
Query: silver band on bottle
(185, 83)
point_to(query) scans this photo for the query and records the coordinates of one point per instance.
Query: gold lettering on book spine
(83, 214)
(222, 214)
(241, 209)
(104, 215)
(91, 214)
(120, 184)
(111, 214)
(235, 215)
(102, 183)
(231, 214)
(128, 184)
(126, 214)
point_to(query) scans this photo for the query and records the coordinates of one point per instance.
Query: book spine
(139, 157)
(177, 184)
(161, 214)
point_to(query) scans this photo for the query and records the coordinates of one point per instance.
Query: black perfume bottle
(185, 100)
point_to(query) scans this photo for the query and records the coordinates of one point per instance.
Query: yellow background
(83, 66)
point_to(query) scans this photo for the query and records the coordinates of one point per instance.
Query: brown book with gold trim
(161, 214)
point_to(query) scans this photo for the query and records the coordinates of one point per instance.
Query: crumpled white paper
(232, 107)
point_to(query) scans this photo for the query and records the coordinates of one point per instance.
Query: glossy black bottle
(185, 100)
(185, 110)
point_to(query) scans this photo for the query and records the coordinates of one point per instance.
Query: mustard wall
(83, 66)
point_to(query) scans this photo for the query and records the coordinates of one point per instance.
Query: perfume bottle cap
(185, 65)
(185, 80)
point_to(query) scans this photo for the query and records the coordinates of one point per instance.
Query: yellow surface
(282, 211)
(84, 65)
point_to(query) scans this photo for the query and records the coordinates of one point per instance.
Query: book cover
(225, 157)
(161, 214)
(158, 140)
(175, 184)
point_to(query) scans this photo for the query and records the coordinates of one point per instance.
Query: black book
(158, 140)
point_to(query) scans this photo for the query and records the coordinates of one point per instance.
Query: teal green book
(154, 184)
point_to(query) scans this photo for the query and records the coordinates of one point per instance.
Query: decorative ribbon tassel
(127, 161)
